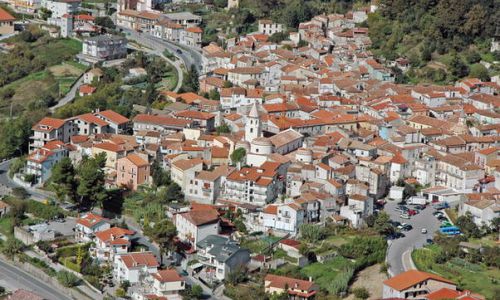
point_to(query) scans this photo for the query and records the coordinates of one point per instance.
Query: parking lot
(413, 238)
(65, 228)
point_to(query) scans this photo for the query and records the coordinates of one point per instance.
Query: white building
(167, 282)
(414, 284)
(283, 217)
(134, 267)
(223, 255)
(104, 47)
(111, 242)
(195, 225)
(60, 8)
(87, 225)
(269, 27)
(483, 211)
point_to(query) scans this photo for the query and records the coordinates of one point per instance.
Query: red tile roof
(5, 16)
(139, 259)
(90, 220)
(137, 160)
(201, 217)
(113, 233)
(51, 123)
(281, 282)
(90, 118)
(410, 278)
(161, 120)
(113, 117)
(169, 275)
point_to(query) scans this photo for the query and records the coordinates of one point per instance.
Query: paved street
(7, 181)
(188, 56)
(398, 255)
(14, 278)
(69, 96)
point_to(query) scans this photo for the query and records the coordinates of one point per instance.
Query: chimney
(310, 279)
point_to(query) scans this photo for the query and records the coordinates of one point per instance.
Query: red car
(412, 212)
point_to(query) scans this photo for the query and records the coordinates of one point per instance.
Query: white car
(404, 216)
(424, 231)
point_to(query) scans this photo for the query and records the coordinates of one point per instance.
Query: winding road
(189, 56)
(399, 251)
(13, 276)
(69, 96)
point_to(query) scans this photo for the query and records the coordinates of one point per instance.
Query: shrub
(120, 293)
(340, 284)
(67, 279)
(43, 211)
(361, 293)
(42, 265)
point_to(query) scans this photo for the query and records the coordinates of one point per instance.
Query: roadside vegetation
(471, 260)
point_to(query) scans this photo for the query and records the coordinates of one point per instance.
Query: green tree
(16, 165)
(214, 95)
(223, 128)
(63, 178)
(20, 193)
(174, 192)
(467, 226)
(105, 22)
(12, 247)
(382, 224)
(164, 233)
(160, 176)
(278, 37)
(191, 81)
(91, 180)
(479, 71)
(67, 279)
(457, 67)
(311, 233)
(196, 292)
(238, 155)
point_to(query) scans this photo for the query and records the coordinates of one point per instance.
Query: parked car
(437, 213)
(429, 241)
(412, 212)
(424, 230)
(405, 216)
(407, 227)
(179, 51)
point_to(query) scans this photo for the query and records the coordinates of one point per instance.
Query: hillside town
(291, 168)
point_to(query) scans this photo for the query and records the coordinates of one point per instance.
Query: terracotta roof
(186, 164)
(107, 146)
(410, 278)
(271, 209)
(113, 117)
(137, 160)
(201, 217)
(193, 114)
(281, 282)
(90, 220)
(291, 243)
(168, 275)
(194, 29)
(90, 118)
(51, 123)
(113, 233)
(161, 120)
(87, 89)
(5, 16)
(139, 259)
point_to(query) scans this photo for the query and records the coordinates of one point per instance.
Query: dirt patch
(65, 70)
(370, 278)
